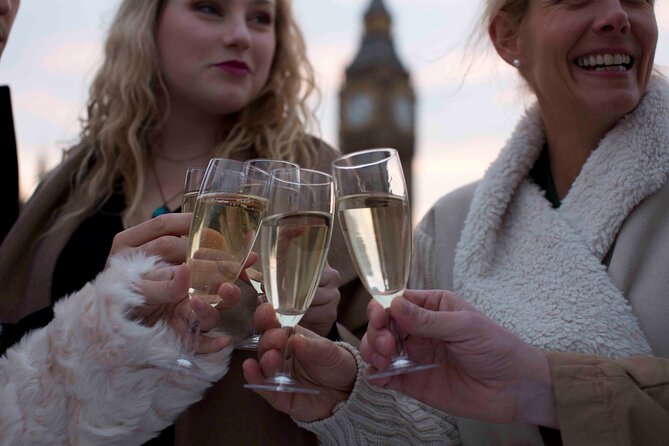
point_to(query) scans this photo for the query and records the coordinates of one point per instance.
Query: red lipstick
(235, 67)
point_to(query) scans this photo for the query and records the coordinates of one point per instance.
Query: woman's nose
(611, 17)
(5, 7)
(236, 32)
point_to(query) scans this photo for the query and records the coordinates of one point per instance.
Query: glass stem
(286, 367)
(399, 342)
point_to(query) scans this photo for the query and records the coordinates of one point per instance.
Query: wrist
(536, 398)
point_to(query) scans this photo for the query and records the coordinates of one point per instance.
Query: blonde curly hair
(124, 112)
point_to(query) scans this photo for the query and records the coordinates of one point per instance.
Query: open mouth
(605, 62)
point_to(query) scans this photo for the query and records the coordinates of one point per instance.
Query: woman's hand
(166, 293)
(322, 312)
(160, 236)
(317, 362)
(487, 372)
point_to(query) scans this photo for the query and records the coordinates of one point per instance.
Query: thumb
(417, 321)
(319, 352)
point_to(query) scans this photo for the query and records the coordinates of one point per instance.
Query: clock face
(359, 110)
(403, 113)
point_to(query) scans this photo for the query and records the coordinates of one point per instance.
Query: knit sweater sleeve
(87, 379)
(372, 415)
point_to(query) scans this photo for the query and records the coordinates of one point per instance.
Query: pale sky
(55, 48)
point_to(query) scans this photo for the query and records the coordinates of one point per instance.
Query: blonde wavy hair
(125, 110)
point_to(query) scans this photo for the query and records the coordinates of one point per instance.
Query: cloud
(35, 158)
(75, 55)
(441, 168)
(330, 56)
(57, 110)
(662, 14)
(456, 67)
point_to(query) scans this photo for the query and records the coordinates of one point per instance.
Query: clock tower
(377, 102)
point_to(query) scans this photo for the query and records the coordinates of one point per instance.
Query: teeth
(611, 68)
(601, 61)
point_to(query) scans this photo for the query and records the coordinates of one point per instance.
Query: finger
(166, 224)
(207, 316)
(274, 339)
(319, 315)
(254, 374)
(378, 347)
(265, 318)
(230, 295)
(437, 300)
(449, 326)
(165, 285)
(379, 362)
(329, 276)
(325, 296)
(171, 249)
(377, 315)
(165, 273)
(271, 361)
(252, 371)
(320, 352)
(208, 344)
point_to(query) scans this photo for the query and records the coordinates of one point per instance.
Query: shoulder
(321, 154)
(450, 209)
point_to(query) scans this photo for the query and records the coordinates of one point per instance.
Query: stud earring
(516, 63)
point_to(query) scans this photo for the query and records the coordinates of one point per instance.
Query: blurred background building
(376, 101)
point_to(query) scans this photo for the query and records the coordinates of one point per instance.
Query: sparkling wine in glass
(254, 272)
(295, 238)
(230, 205)
(228, 212)
(374, 213)
(192, 183)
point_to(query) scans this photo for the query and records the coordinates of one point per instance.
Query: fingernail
(196, 303)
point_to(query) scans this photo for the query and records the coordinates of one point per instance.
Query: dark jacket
(9, 176)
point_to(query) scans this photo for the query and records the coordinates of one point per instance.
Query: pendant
(160, 211)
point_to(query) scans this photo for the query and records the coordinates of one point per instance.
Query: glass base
(282, 383)
(399, 366)
(251, 343)
(183, 365)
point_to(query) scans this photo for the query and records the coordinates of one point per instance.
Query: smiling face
(8, 10)
(215, 56)
(591, 57)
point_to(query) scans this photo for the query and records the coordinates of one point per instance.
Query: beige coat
(601, 401)
(538, 271)
(639, 267)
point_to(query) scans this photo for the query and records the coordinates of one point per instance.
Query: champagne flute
(228, 210)
(254, 272)
(295, 238)
(373, 210)
(192, 183)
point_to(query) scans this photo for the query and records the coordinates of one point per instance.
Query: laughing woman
(565, 240)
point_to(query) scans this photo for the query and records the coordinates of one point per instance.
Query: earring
(516, 63)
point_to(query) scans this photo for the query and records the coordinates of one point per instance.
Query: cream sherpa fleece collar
(537, 270)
